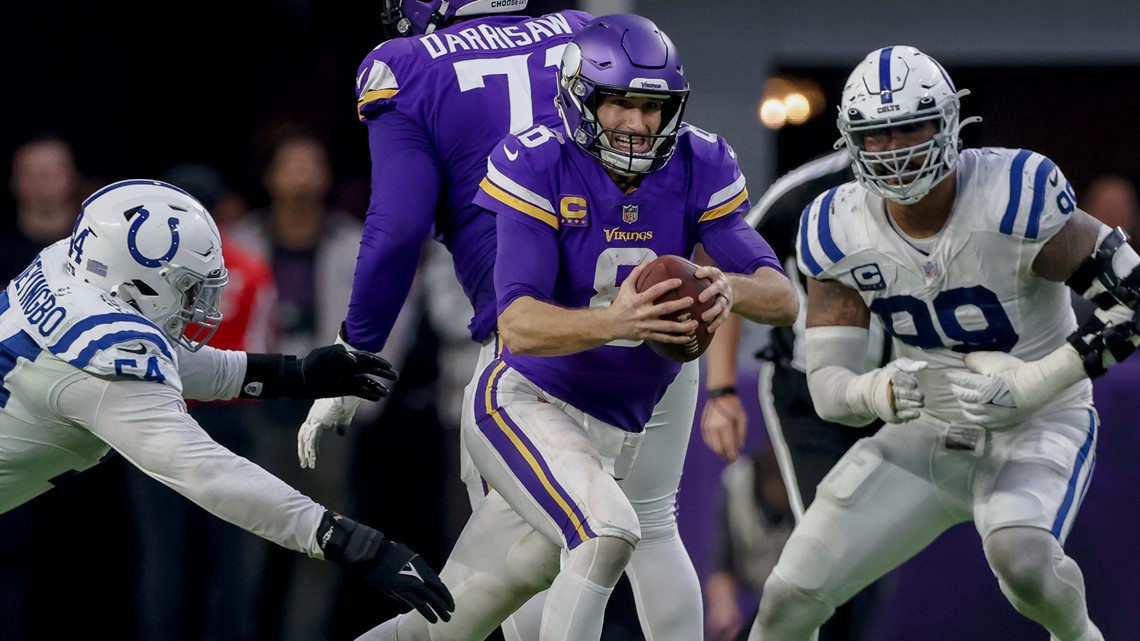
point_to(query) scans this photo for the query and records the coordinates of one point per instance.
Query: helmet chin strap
(436, 18)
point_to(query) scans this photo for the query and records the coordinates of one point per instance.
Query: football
(664, 268)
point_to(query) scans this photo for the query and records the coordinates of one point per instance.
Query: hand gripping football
(664, 268)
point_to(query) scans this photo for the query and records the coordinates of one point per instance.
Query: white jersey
(969, 288)
(81, 372)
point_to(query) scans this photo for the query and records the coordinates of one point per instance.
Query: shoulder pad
(376, 78)
(826, 225)
(1038, 198)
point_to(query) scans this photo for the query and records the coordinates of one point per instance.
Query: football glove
(336, 412)
(327, 371)
(1000, 389)
(891, 391)
(389, 567)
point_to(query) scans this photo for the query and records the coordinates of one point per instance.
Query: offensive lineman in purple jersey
(562, 413)
(435, 105)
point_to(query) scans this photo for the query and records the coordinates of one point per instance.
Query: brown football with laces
(669, 266)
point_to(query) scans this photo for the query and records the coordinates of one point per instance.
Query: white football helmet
(157, 248)
(896, 86)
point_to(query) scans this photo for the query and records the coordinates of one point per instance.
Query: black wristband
(346, 541)
(717, 392)
(272, 376)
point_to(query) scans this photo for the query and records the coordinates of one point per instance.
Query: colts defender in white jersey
(964, 256)
(103, 336)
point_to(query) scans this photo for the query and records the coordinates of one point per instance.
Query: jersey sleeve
(149, 426)
(817, 249)
(519, 179)
(721, 199)
(520, 190)
(119, 345)
(379, 77)
(211, 374)
(407, 178)
(1040, 198)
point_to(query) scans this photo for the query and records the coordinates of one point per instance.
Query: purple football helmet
(418, 17)
(625, 55)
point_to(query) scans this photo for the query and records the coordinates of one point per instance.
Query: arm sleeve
(406, 183)
(211, 374)
(148, 425)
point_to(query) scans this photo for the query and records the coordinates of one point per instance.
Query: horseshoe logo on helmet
(140, 216)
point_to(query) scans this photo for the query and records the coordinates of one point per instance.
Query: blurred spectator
(199, 577)
(45, 185)
(1114, 201)
(756, 520)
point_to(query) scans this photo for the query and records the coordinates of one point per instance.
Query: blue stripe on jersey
(805, 244)
(64, 343)
(20, 344)
(1082, 456)
(4, 304)
(885, 75)
(1043, 170)
(1015, 171)
(825, 240)
(105, 341)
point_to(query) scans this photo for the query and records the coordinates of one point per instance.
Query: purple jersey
(435, 105)
(568, 236)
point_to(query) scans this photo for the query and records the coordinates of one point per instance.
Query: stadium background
(137, 89)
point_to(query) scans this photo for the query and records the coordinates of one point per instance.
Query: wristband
(717, 392)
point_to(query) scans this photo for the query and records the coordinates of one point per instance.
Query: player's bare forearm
(832, 303)
(765, 296)
(720, 359)
(529, 326)
(1068, 248)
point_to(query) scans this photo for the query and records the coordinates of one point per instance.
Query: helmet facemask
(185, 307)
(901, 87)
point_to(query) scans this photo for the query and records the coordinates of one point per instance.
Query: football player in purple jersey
(435, 104)
(561, 412)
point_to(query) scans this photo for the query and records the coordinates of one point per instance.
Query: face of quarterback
(627, 116)
(902, 136)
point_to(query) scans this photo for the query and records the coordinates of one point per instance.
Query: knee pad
(600, 560)
(533, 561)
(787, 612)
(1023, 559)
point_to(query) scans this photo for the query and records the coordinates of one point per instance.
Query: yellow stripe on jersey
(521, 447)
(373, 96)
(493, 191)
(726, 208)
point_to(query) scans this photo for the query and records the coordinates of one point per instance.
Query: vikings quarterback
(964, 255)
(436, 100)
(581, 210)
(102, 338)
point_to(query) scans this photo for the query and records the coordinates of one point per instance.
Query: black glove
(326, 372)
(389, 567)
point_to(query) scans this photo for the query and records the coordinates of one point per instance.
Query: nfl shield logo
(931, 271)
(629, 214)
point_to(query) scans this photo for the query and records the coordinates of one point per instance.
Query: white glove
(326, 413)
(890, 392)
(1000, 389)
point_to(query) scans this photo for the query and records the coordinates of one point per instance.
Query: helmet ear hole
(143, 288)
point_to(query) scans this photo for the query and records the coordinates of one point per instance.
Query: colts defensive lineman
(103, 336)
(964, 256)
